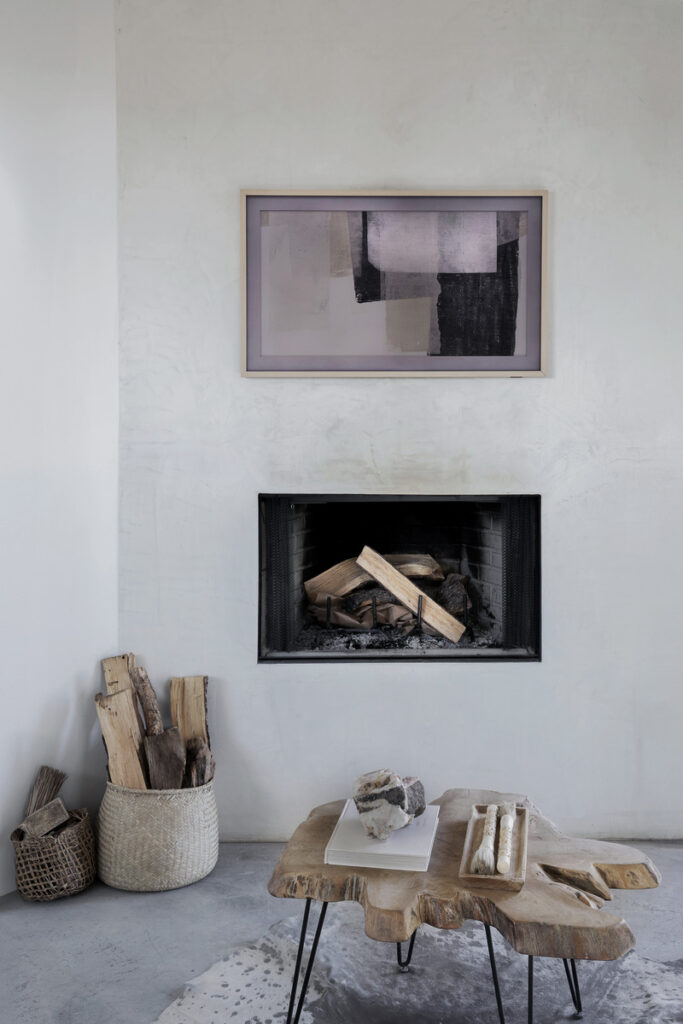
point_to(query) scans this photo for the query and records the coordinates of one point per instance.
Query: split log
(45, 818)
(188, 707)
(408, 594)
(200, 765)
(346, 576)
(118, 676)
(166, 759)
(361, 599)
(453, 595)
(122, 735)
(150, 705)
(117, 672)
(386, 614)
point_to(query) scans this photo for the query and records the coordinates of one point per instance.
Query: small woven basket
(150, 840)
(50, 867)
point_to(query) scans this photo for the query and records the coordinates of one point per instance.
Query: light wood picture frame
(386, 283)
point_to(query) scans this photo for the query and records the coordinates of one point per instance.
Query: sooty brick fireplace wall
(481, 563)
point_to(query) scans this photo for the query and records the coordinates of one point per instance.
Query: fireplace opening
(379, 577)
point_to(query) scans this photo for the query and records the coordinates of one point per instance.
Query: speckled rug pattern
(356, 981)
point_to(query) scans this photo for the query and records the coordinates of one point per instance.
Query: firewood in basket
(122, 736)
(188, 707)
(200, 766)
(166, 759)
(45, 819)
(154, 723)
(118, 676)
(117, 672)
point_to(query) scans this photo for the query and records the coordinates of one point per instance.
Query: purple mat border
(256, 363)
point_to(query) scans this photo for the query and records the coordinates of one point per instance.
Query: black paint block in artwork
(477, 312)
(368, 283)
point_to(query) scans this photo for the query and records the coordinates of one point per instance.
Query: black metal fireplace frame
(268, 654)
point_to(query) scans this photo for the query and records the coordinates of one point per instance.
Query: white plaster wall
(58, 394)
(581, 98)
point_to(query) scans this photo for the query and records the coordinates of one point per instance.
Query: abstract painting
(385, 284)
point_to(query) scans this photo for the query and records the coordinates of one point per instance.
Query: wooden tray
(513, 880)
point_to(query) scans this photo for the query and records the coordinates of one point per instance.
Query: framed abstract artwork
(384, 284)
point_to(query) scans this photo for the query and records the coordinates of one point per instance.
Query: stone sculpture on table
(386, 802)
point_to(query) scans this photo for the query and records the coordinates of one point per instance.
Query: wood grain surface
(557, 912)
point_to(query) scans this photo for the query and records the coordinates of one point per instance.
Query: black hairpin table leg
(570, 970)
(309, 967)
(405, 964)
(494, 973)
(573, 980)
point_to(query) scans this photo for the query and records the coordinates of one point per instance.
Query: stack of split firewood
(142, 753)
(341, 597)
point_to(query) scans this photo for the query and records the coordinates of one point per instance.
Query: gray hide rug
(356, 981)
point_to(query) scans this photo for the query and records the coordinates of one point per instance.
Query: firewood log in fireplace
(362, 599)
(346, 576)
(453, 595)
(387, 613)
(409, 595)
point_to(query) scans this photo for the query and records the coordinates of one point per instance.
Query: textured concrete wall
(583, 99)
(58, 394)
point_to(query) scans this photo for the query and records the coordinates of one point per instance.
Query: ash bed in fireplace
(477, 557)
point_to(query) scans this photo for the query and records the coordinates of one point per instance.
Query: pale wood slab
(120, 726)
(409, 595)
(512, 880)
(556, 913)
(188, 707)
(118, 675)
(346, 576)
(117, 672)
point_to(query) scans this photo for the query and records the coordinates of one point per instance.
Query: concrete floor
(107, 956)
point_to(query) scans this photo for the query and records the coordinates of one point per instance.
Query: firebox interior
(491, 542)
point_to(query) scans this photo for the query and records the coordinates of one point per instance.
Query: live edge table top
(556, 913)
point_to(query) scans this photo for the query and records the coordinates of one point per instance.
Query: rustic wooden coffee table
(556, 914)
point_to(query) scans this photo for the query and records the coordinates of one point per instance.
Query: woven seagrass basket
(150, 840)
(50, 867)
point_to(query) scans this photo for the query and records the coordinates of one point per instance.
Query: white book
(406, 849)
